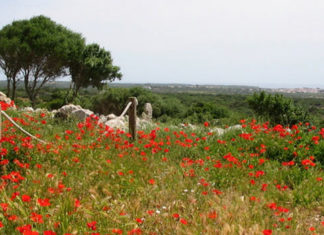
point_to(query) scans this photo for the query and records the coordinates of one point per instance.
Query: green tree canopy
(92, 68)
(37, 50)
(277, 109)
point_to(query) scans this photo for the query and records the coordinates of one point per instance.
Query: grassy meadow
(91, 179)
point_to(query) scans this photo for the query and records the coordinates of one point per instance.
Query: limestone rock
(27, 109)
(148, 112)
(41, 110)
(218, 131)
(102, 119)
(4, 98)
(235, 127)
(81, 114)
(111, 116)
(68, 109)
(117, 123)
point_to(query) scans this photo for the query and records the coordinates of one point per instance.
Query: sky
(266, 43)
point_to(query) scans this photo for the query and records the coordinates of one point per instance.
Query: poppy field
(91, 179)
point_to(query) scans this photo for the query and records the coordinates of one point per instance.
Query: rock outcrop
(7, 100)
(148, 112)
(81, 114)
(4, 98)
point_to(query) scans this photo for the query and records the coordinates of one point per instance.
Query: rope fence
(130, 107)
(125, 110)
(19, 127)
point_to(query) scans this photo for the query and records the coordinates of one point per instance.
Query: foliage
(277, 109)
(205, 111)
(92, 67)
(41, 50)
(165, 107)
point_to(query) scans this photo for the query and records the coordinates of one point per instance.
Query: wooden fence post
(132, 117)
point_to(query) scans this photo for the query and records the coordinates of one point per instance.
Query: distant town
(297, 90)
(194, 88)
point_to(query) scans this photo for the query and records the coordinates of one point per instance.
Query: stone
(81, 114)
(53, 112)
(235, 127)
(60, 115)
(148, 112)
(4, 98)
(27, 109)
(116, 123)
(218, 131)
(69, 108)
(111, 116)
(102, 119)
(38, 110)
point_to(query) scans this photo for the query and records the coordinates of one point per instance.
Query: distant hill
(193, 88)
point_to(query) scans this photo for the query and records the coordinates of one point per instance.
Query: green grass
(169, 181)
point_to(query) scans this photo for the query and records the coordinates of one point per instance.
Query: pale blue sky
(252, 42)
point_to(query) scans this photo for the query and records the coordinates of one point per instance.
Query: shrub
(205, 111)
(277, 109)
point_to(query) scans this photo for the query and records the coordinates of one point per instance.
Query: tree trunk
(75, 89)
(33, 101)
(14, 85)
(8, 86)
(27, 89)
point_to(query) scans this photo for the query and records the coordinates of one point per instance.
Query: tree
(9, 58)
(277, 109)
(93, 68)
(42, 50)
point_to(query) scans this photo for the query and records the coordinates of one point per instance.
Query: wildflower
(92, 225)
(264, 187)
(183, 221)
(152, 181)
(49, 232)
(13, 217)
(43, 202)
(312, 229)
(76, 203)
(138, 220)
(37, 218)
(150, 212)
(267, 232)
(212, 215)
(24, 228)
(14, 195)
(135, 231)
(272, 206)
(117, 231)
(176, 215)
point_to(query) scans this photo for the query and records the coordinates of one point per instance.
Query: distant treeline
(185, 107)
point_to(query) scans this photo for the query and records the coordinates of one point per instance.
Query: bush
(277, 109)
(205, 111)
